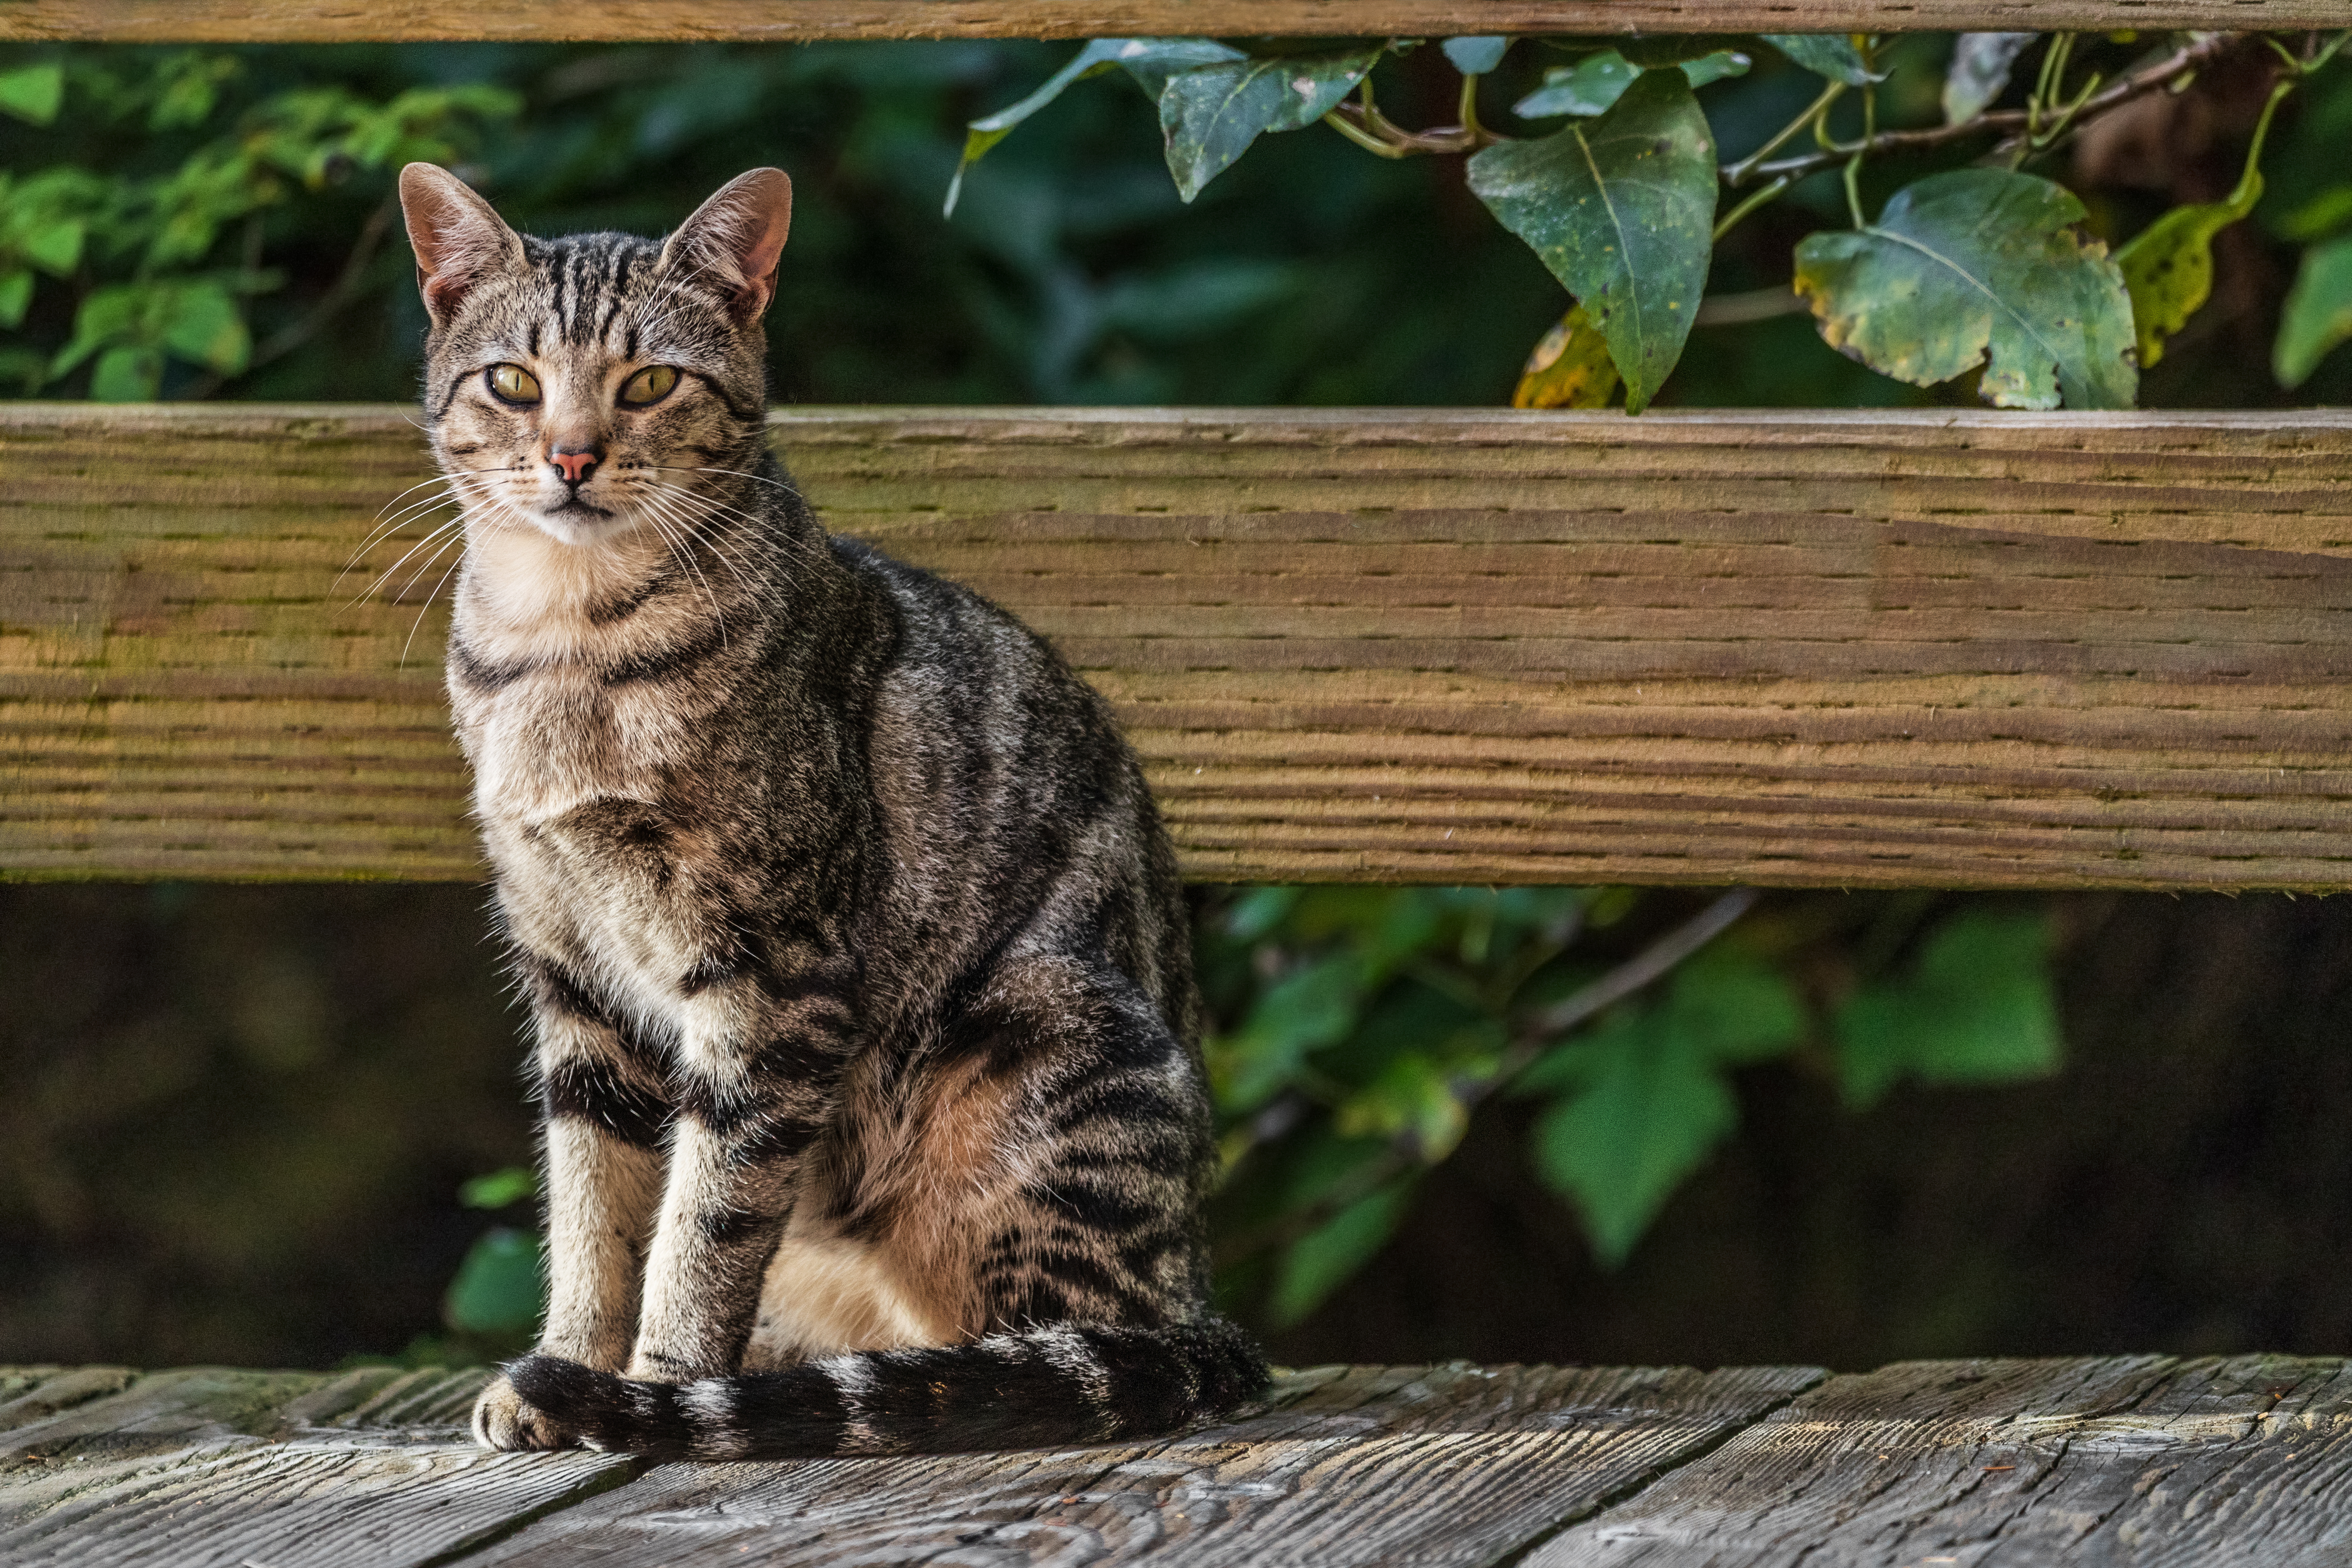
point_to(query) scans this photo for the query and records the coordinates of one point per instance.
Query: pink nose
(573, 466)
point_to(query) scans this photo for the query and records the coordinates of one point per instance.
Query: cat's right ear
(458, 239)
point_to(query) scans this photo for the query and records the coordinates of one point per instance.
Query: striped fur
(866, 1036)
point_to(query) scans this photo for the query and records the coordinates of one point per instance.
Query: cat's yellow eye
(650, 384)
(514, 383)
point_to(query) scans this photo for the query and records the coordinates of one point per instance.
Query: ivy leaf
(55, 247)
(1980, 72)
(15, 295)
(1477, 56)
(1098, 56)
(1210, 113)
(497, 1288)
(1646, 1097)
(1977, 1007)
(1595, 82)
(127, 374)
(1978, 267)
(203, 324)
(1320, 1261)
(1314, 1006)
(1570, 368)
(1831, 54)
(1621, 210)
(2318, 312)
(2168, 266)
(33, 93)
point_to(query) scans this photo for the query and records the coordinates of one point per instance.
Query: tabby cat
(866, 1034)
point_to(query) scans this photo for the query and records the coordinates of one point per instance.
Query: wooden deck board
(2142, 1460)
(1452, 1465)
(1821, 648)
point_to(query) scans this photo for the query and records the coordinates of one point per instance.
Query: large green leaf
(2318, 311)
(1978, 267)
(1977, 1007)
(1318, 1262)
(1479, 54)
(1831, 54)
(1314, 1006)
(498, 1288)
(1594, 83)
(1646, 1099)
(1621, 209)
(1210, 113)
(33, 93)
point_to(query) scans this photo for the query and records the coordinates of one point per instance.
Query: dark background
(234, 1119)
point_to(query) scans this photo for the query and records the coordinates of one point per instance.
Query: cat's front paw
(505, 1421)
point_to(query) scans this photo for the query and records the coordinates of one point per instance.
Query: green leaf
(1259, 911)
(1978, 267)
(129, 375)
(2317, 217)
(1314, 1006)
(2168, 266)
(1980, 71)
(1594, 83)
(1569, 368)
(1977, 1007)
(205, 325)
(15, 295)
(55, 247)
(1210, 114)
(1415, 1093)
(2318, 312)
(33, 93)
(499, 1188)
(1651, 1114)
(497, 1288)
(1831, 54)
(1477, 56)
(1656, 52)
(1098, 56)
(1621, 210)
(1320, 1261)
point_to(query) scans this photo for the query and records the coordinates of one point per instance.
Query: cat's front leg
(604, 1108)
(757, 1080)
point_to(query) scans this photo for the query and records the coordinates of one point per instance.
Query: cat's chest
(550, 741)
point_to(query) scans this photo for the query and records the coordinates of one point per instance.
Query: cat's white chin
(581, 528)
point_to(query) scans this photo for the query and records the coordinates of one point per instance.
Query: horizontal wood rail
(1935, 647)
(781, 21)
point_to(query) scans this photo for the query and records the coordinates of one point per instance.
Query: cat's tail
(1037, 1388)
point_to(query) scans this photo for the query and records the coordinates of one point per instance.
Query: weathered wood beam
(1936, 648)
(779, 21)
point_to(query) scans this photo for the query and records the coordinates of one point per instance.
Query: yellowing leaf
(1978, 267)
(1570, 368)
(2168, 266)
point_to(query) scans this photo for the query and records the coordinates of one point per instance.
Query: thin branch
(1536, 1035)
(339, 294)
(2186, 62)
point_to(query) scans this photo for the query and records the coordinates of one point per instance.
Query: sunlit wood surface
(335, 21)
(2032, 1464)
(1937, 648)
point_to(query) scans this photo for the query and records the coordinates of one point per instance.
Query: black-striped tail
(1038, 1388)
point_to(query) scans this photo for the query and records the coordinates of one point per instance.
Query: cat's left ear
(735, 239)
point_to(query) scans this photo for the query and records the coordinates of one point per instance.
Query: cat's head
(571, 385)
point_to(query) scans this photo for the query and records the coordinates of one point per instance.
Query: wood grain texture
(1424, 1465)
(297, 21)
(200, 1466)
(2139, 1460)
(1806, 649)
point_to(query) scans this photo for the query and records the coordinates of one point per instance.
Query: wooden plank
(1941, 647)
(2141, 1460)
(1451, 1464)
(206, 1466)
(302, 21)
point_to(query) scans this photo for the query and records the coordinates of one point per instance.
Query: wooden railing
(312, 21)
(1939, 648)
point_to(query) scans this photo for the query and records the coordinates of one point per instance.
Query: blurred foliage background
(285, 1124)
